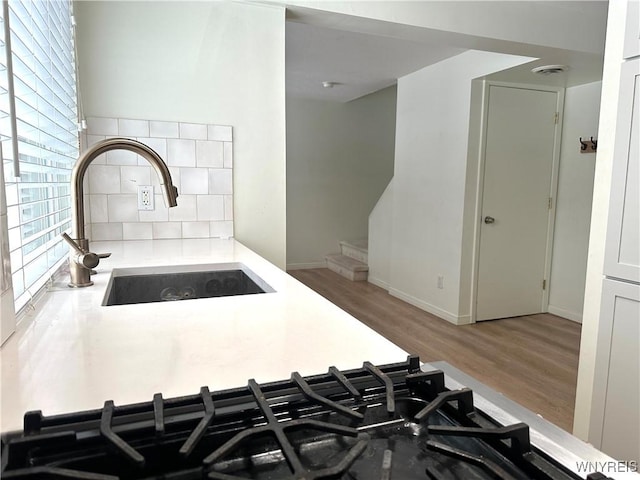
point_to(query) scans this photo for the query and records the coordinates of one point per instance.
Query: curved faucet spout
(80, 169)
(81, 264)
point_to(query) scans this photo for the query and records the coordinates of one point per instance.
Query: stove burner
(278, 429)
(390, 422)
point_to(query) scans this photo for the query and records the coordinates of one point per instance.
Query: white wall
(381, 239)
(203, 62)
(573, 203)
(470, 224)
(432, 134)
(339, 161)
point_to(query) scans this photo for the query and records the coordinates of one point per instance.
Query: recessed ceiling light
(550, 69)
(328, 84)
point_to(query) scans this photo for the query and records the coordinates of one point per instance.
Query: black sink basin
(161, 284)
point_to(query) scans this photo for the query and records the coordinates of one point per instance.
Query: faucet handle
(84, 258)
(74, 245)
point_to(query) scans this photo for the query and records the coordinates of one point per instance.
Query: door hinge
(550, 203)
(556, 117)
(544, 284)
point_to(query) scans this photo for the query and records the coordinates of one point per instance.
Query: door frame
(553, 191)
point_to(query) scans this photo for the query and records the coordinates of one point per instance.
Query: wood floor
(533, 359)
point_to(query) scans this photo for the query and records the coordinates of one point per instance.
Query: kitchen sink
(181, 282)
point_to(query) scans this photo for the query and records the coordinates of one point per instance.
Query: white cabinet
(615, 419)
(608, 392)
(622, 255)
(617, 392)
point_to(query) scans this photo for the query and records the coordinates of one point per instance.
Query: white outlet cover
(145, 197)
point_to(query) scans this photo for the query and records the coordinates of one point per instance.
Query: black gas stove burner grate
(376, 422)
(278, 430)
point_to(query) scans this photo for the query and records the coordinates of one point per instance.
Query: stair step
(348, 267)
(357, 249)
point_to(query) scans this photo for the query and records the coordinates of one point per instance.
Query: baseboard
(464, 320)
(377, 282)
(427, 307)
(306, 266)
(561, 312)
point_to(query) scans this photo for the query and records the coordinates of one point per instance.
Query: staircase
(352, 260)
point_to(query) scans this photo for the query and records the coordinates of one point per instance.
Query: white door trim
(560, 91)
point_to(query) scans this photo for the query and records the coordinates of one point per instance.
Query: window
(44, 94)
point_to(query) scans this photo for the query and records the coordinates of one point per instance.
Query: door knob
(489, 220)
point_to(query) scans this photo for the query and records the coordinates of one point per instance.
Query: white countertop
(72, 354)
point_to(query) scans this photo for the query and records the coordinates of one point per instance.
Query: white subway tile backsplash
(228, 207)
(87, 210)
(164, 129)
(123, 208)
(194, 181)
(209, 153)
(200, 159)
(133, 128)
(210, 207)
(121, 157)
(102, 126)
(193, 131)
(175, 178)
(181, 153)
(220, 181)
(106, 231)
(158, 145)
(98, 208)
(195, 229)
(159, 214)
(132, 177)
(91, 141)
(222, 133)
(185, 211)
(104, 179)
(228, 155)
(167, 230)
(221, 229)
(137, 231)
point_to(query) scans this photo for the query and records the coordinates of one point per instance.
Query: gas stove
(388, 422)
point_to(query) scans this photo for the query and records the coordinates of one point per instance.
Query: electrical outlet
(145, 197)
(440, 281)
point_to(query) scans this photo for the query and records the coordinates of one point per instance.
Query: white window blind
(44, 87)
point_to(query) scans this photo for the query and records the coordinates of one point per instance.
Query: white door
(519, 153)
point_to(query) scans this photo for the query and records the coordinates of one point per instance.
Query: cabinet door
(632, 30)
(622, 254)
(616, 419)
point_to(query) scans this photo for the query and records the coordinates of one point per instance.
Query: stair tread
(348, 262)
(361, 244)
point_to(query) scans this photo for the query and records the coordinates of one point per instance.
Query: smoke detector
(550, 69)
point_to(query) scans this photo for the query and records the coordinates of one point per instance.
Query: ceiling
(361, 56)
(358, 63)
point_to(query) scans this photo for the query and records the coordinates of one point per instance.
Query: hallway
(533, 360)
